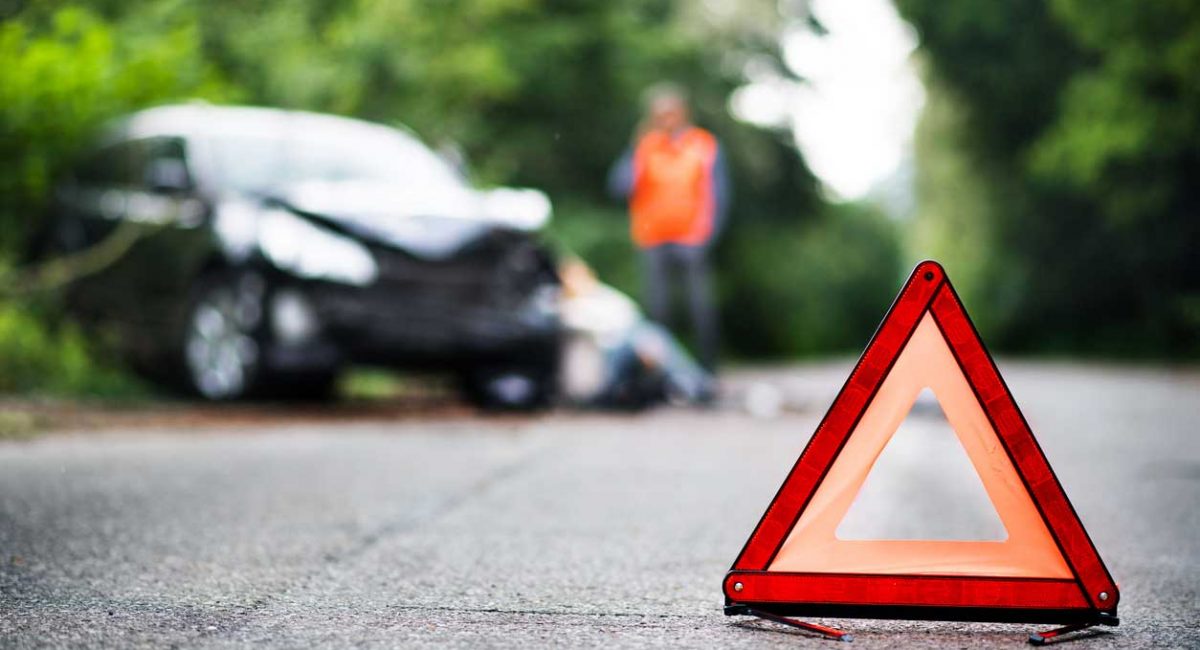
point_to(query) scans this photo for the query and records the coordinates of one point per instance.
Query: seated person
(614, 356)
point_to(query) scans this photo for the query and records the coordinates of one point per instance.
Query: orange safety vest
(672, 199)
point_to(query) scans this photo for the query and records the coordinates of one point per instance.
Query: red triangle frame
(1090, 596)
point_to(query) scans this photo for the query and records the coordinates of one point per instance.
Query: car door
(140, 193)
(165, 209)
(89, 205)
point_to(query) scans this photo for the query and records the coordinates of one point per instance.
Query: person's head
(667, 107)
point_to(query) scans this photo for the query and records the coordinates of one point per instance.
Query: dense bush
(63, 75)
(1057, 165)
(818, 288)
(39, 357)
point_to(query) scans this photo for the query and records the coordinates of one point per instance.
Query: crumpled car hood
(433, 223)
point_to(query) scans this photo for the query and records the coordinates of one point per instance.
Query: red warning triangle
(1045, 570)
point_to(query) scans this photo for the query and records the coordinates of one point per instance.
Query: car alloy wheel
(221, 353)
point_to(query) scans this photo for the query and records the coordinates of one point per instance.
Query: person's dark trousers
(663, 264)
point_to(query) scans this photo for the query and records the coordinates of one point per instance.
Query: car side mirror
(168, 176)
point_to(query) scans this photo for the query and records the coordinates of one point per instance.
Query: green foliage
(36, 358)
(66, 71)
(64, 74)
(1128, 139)
(1071, 151)
(818, 288)
(960, 213)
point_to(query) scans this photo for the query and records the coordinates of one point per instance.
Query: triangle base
(928, 598)
(910, 613)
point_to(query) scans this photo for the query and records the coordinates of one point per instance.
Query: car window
(129, 163)
(106, 166)
(144, 154)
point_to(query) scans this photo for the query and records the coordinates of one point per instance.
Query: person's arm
(620, 177)
(722, 193)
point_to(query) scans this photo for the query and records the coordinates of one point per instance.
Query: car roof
(198, 120)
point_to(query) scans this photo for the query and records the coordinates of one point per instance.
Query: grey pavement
(560, 530)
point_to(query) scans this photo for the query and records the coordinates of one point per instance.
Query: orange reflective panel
(1029, 550)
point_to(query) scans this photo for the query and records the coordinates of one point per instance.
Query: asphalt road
(563, 530)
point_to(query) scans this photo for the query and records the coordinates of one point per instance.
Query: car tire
(222, 337)
(510, 388)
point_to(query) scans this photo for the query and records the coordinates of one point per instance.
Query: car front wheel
(221, 346)
(510, 388)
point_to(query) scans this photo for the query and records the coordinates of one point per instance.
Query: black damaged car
(272, 248)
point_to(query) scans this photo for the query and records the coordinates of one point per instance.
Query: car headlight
(304, 248)
(526, 209)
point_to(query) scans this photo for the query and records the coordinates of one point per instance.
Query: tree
(66, 72)
(1080, 122)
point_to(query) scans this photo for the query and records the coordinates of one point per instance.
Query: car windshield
(262, 163)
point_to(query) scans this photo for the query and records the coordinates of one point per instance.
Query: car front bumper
(375, 326)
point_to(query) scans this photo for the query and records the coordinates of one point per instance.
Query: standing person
(675, 180)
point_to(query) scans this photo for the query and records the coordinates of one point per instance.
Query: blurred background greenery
(1056, 158)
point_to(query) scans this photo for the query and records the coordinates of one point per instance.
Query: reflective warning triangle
(1045, 570)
